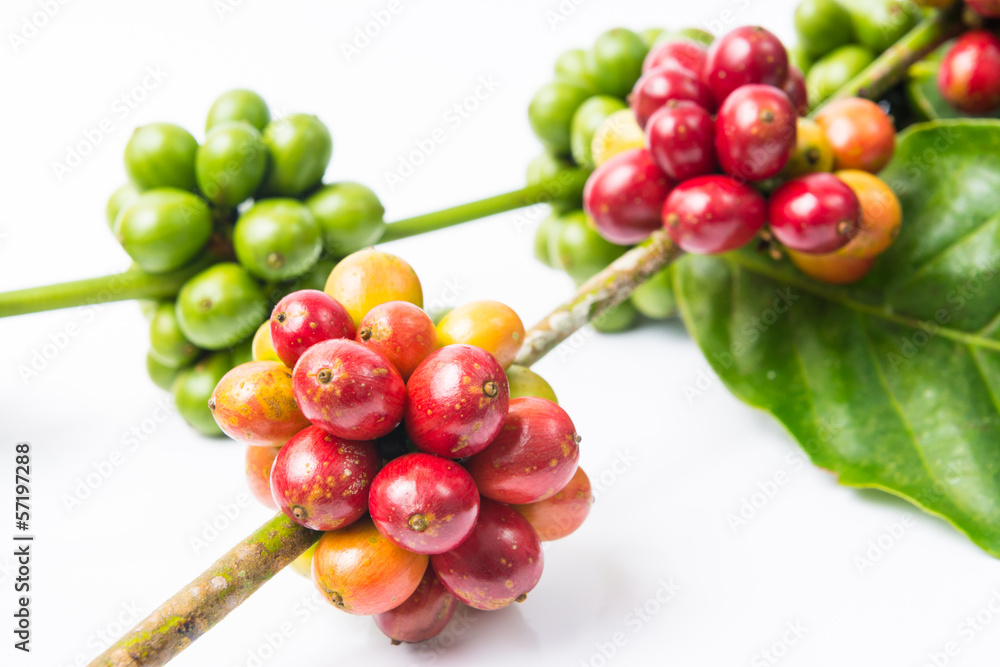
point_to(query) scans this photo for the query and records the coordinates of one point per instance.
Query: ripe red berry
(658, 86)
(424, 503)
(258, 466)
(755, 132)
(422, 616)
(624, 197)
(304, 318)
(989, 9)
(535, 455)
(969, 75)
(749, 54)
(458, 399)
(817, 213)
(679, 55)
(681, 140)
(795, 88)
(322, 481)
(713, 214)
(348, 390)
(401, 332)
(499, 563)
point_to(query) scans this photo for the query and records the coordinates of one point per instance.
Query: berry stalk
(602, 292)
(135, 284)
(206, 600)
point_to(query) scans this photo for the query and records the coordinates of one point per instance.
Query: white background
(662, 517)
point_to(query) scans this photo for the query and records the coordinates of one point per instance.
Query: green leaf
(892, 383)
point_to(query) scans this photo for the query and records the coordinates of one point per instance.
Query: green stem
(135, 284)
(890, 68)
(566, 185)
(132, 284)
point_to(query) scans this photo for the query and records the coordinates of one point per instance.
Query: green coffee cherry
(161, 155)
(617, 319)
(300, 147)
(579, 250)
(526, 382)
(822, 26)
(615, 61)
(119, 201)
(691, 34)
(655, 297)
(571, 67)
(650, 36)
(878, 24)
(315, 278)
(164, 229)
(800, 58)
(545, 233)
(547, 166)
(551, 112)
(277, 239)
(242, 353)
(220, 307)
(832, 71)
(194, 386)
(586, 120)
(167, 343)
(350, 217)
(239, 105)
(230, 165)
(161, 375)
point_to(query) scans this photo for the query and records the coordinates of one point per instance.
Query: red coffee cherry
(624, 197)
(746, 55)
(755, 132)
(969, 75)
(679, 55)
(815, 214)
(681, 139)
(657, 87)
(713, 214)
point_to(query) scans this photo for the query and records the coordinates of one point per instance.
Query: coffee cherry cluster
(433, 465)
(582, 117)
(718, 156)
(249, 204)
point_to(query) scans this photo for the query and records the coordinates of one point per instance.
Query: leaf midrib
(963, 337)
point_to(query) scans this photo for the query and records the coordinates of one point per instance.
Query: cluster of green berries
(246, 209)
